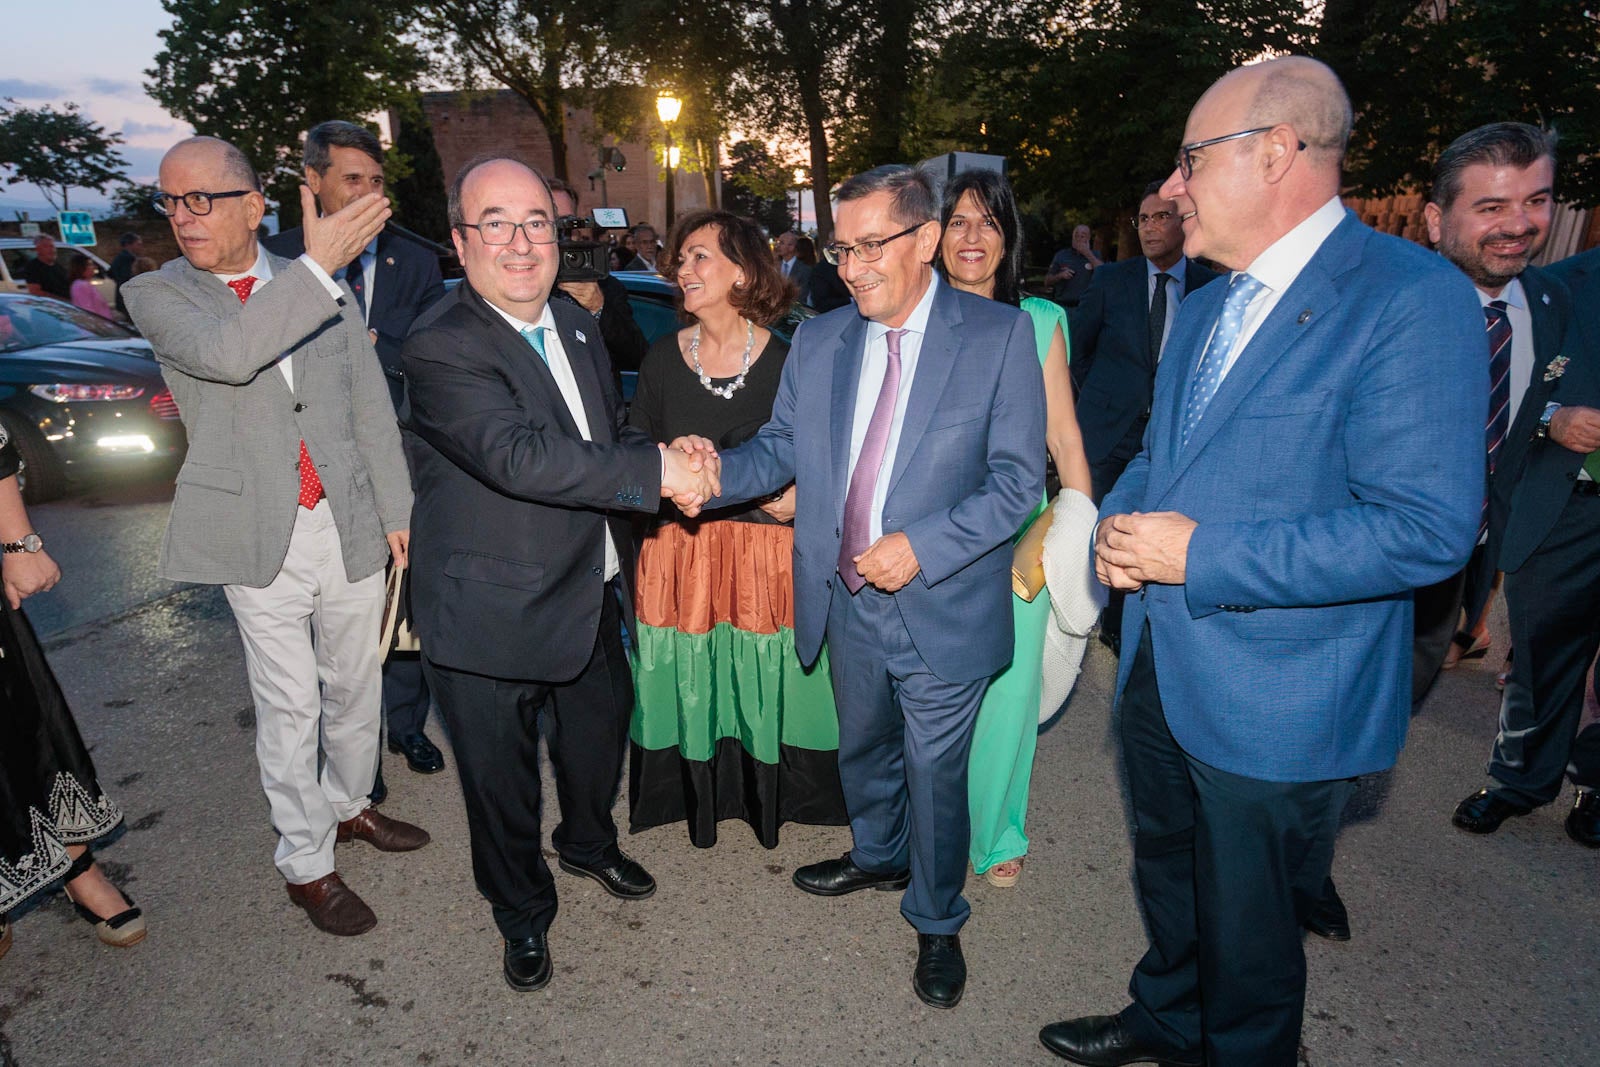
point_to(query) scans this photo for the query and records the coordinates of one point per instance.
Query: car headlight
(65, 393)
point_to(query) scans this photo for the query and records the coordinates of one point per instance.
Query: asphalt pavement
(1467, 950)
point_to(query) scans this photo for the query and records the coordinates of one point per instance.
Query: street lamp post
(799, 199)
(668, 107)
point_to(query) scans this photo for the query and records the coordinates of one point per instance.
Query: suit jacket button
(830, 583)
(299, 407)
(594, 570)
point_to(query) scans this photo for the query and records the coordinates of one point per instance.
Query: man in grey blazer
(293, 495)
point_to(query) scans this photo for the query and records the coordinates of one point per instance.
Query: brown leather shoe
(383, 833)
(333, 906)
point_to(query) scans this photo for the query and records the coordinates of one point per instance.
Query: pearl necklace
(724, 391)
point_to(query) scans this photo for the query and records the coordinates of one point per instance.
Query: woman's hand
(27, 573)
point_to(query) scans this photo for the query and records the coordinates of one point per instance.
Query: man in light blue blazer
(1315, 453)
(913, 427)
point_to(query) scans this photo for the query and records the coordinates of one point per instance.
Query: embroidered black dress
(49, 798)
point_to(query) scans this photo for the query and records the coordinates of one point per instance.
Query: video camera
(585, 261)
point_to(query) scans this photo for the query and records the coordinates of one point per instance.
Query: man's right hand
(1576, 428)
(690, 477)
(1110, 574)
(334, 240)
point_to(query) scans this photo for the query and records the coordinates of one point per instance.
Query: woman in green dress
(981, 252)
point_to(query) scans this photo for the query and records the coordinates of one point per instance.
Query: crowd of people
(790, 582)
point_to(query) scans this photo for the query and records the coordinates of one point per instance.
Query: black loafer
(621, 877)
(1583, 821)
(1484, 811)
(1102, 1041)
(527, 963)
(941, 974)
(1329, 919)
(835, 878)
(422, 755)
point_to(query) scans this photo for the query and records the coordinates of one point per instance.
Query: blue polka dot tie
(1208, 375)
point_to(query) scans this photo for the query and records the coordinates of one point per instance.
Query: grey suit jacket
(238, 491)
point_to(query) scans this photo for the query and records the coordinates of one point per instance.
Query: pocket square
(580, 336)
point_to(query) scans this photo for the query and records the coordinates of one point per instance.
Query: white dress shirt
(561, 370)
(1278, 267)
(874, 365)
(262, 273)
(1179, 273)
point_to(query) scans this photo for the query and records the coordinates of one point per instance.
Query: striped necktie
(1498, 326)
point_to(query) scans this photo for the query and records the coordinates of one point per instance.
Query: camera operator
(605, 299)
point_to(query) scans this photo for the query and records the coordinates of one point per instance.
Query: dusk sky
(93, 53)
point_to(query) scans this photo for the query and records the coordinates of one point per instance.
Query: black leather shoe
(835, 878)
(527, 964)
(1102, 1041)
(1583, 821)
(621, 878)
(422, 755)
(1329, 918)
(1112, 639)
(941, 974)
(1484, 811)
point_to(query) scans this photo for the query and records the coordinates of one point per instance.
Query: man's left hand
(890, 563)
(1151, 547)
(399, 547)
(587, 294)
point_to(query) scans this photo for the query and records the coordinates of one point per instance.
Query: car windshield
(28, 322)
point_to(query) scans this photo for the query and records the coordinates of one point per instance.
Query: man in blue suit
(913, 424)
(394, 279)
(1315, 453)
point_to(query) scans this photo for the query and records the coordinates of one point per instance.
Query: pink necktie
(864, 479)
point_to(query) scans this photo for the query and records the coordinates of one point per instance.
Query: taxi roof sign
(77, 227)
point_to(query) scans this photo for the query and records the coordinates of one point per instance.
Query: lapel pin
(1547, 298)
(389, 262)
(1305, 317)
(580, 336)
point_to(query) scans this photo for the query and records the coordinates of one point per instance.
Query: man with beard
(1490, 214)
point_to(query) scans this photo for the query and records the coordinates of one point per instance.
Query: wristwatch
(31, 543)
(1541, 431)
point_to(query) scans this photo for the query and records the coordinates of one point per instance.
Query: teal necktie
(534, 335)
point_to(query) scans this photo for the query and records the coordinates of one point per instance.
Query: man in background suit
(645, 248)
(393, 280)
(1117, 331)
(1314, 454)
(121, 268)
(523, 563)
(606, 300)
(914, 423)
(794, 268)
(293, 495)
(1545, 532)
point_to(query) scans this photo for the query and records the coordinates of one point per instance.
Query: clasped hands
(691, 473)
(1142, 547)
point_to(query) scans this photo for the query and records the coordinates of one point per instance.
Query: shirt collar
(917, 323)
(545, 320)
(1177, 272)
(1285, 258)
(1513, 294)
(261, 272)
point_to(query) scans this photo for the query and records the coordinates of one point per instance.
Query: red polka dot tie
(310, 483)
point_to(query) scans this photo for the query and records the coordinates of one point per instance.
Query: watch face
(32, 543)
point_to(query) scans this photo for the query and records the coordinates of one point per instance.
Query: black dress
(726, 722)
(49, 798)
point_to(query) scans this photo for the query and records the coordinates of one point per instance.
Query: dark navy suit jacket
(1338, 467)
(1112, 365)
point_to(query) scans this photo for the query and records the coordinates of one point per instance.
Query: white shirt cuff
(323, 276)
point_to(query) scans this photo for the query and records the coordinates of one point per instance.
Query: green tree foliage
(57, 151)
(134, 200)
(416, 176)
(259, 73)
(758, 185)
(1422, 74)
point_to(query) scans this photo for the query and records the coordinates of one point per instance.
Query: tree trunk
(821, 178)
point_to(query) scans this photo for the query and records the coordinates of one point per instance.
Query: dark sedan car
(79, 394)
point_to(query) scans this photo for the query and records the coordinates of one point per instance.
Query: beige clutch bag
(396, 634)
(1027, 558)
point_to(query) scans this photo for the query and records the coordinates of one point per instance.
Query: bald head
(1305, 94)
(219, 157)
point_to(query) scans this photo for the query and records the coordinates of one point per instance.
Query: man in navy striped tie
(1490, 215)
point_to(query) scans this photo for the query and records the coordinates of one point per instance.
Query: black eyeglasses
(197, 203)
(498, 232)
(1185, 157)
(864, 251)
(1161, 217)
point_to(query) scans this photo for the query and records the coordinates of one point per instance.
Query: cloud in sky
(132, 128)
(114, 87)
(23, 89)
